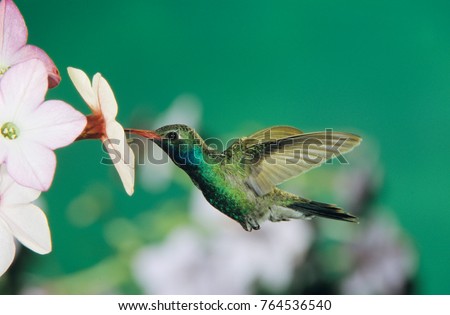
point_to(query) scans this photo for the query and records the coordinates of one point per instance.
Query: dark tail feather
(314, 208)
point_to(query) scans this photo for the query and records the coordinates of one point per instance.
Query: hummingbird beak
(149, 134)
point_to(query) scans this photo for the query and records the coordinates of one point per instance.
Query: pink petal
(3, 148)
(84, 87)
(7, 247)
(54, 124)
(31, 164)
(121, 154)
(13, 31)
(12, 193)
(22, 89)
(29, 52)
(107, 100)
(29, 225)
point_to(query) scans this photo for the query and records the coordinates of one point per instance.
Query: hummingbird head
(183, 145)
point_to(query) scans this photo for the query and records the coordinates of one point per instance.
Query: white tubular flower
(103, 125)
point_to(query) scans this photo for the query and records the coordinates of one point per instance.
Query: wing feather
(274, 133)
(288, 157)
(273, 155)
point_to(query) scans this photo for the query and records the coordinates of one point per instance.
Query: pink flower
(13, 47)
(30, 129)
(20, 219)
(103, 125)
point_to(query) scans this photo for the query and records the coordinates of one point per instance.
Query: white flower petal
(95, 81)
(121, 154)
(12, 193)
(31, 164)
(54, 124)
(29, 225)
(3, 147)
(107, 100)
(22, 89)
(7, 248)
(83, 86)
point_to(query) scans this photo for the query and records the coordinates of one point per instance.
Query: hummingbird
(241, 181)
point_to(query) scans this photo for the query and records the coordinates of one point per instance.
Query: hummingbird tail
(325, 210)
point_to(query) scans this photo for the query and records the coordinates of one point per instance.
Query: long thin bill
(149, 134)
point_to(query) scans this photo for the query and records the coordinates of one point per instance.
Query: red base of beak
(149, 134)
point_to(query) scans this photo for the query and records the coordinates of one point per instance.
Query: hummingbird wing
(240, 148)
(274, 133)
(268, 163)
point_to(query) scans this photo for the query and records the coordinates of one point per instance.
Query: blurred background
(380, 69)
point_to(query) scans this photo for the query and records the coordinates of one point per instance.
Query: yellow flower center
(3, 69)
(10, 131)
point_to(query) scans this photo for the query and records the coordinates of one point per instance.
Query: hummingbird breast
(226, 191)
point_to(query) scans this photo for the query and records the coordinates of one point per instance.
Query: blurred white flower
(20, 219)
(215, 256)
(153, 174)
(384, 259)
(174, 266)
(185, 109)
(103, 125)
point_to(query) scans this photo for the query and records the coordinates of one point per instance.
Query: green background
(378, 68)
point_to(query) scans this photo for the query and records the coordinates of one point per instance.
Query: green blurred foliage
(377, 68)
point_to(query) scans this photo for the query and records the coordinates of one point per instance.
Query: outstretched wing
(274, 133)
(269, 163)
(241, 148)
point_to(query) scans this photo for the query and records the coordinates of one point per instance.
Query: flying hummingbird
(241, 181)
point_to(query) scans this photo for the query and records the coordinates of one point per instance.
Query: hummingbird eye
(172, 135)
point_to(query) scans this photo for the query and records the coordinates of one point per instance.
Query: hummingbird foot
(250, 224)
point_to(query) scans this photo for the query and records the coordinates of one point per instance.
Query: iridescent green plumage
(241, 181)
